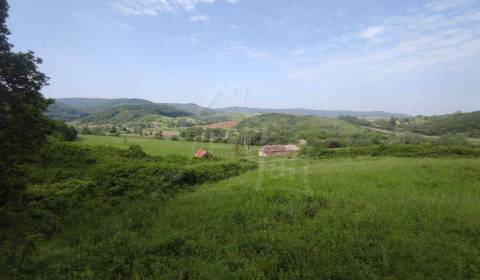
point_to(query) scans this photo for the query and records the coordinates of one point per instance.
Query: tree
(86, 131)
(68, 133)
(192, 133)
(159, 135)
(23, 125)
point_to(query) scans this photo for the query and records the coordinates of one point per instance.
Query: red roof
(279, 148)
(200, 153)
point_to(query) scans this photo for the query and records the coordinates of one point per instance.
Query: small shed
(201, 153)
(278, 150)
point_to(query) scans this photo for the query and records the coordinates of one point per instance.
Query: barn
(201, 153)
(278, 150)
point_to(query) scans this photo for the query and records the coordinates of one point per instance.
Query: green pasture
(291, 218)
(166, 147)
(383, 218)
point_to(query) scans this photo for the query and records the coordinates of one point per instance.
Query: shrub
(68, 133)
(134, 152)
(454, 140)
(332, 144)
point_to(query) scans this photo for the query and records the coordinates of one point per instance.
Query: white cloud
(437, 39)
(199, 18)
(298, 52)
(372, 32)
(124, 27)
(442, 5)
(237, 48)
(155, 7)
(280, 24)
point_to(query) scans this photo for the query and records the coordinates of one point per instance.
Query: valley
(341, 140)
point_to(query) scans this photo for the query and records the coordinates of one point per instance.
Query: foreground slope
(335, 219)
(360, 218)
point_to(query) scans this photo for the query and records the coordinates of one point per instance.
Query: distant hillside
(275, 128)
(465, 123)
(309, 112)
(92, 105)
(99, 110)
(65, 112)
(129, 113)
(193, 108)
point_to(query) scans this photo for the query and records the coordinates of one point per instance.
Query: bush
(407, 138)
(457, 140)
(68, 133)
(134, 152)
(332, 144)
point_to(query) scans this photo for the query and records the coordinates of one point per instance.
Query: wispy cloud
(240, 49)
(155, 7)
(124, 27)
(84, 18)
(439, 37)
(442, 5)
(372, 32)
(298, 52)
(278, 24)
(199, 18)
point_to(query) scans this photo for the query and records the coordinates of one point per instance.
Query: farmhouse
(278, 150)
(170, 134)
(201, 153)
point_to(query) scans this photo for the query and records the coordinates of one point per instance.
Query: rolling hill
(129, 113)
(275, 128)
(464, 123)
(71, 109)
(92, 105)
(122, 110)
(194, 108)
(59, 110)
(310, 112)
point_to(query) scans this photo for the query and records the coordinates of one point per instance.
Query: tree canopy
(23, 126)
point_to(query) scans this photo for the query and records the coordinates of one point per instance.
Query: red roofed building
(201, 153)
(278, 150)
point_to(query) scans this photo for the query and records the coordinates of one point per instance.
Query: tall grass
(359, 218)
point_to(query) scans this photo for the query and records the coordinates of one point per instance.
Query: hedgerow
(403, 151)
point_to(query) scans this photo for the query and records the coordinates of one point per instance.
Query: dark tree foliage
(23, 126)
(4, 45)
(68, 133)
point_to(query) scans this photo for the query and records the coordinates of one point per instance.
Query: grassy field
(165, 147)
(295, 218)
(380, 218)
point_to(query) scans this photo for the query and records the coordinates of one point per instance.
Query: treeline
(208, 135)
(396, 150)
(467, 124)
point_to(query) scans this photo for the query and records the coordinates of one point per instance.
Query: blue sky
(417, 57)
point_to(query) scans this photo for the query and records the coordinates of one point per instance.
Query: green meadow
(165, 147)
(383, 218)
(292, 218)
